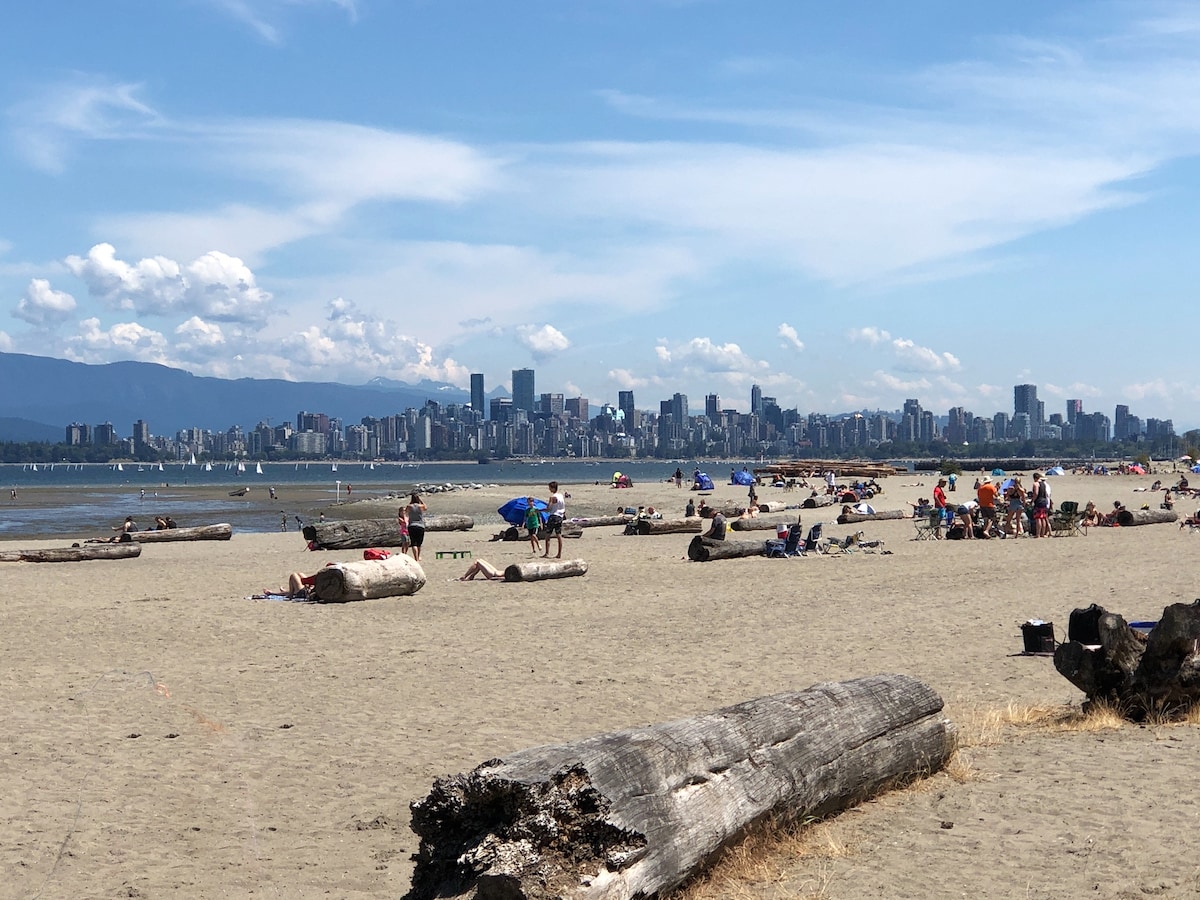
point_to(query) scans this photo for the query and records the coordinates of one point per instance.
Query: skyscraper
(756, 400)
(712, 407)
(1074, 410)
(477, 400)
(626, 405)
(522, 390)
(1025, 400)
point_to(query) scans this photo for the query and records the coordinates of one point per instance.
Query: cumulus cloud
(700, 354)
(892, 383)
(916, 358)
(1075, 391)
(125, 340)
(6, 342)
(544, 342)
(870, 335)
(43, 306)
(625, 380)
(215, 285)
(788, 333)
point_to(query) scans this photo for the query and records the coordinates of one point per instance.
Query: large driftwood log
(670, 526)
(594, 521)
(369, 579)
(358, 534)
(221, 532)
(818, 501)
(755, 524)
(1127, 518)
(541, 570)
(1136, 673)
(635, 813)
(703, 549)
(771, 506)
(121, 550)
(852, 518)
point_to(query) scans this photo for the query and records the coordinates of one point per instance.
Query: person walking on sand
(556, 511)
(416, 524)
(533, 521)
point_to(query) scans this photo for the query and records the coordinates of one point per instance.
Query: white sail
(192, 461)
(120, 468)
(241, 467)
(334, 469)
(160, 468)
(258, 469)
(208, 467)
(35, 467)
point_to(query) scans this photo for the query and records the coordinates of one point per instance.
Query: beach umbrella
(513, 512)
(1196, 468)
(1136, 469)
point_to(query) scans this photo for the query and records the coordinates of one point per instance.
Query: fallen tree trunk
(122, 550)
(358, 534)
(818, 502)
(670, 526)
(595, 521)
(1134, 672)
(852, 518)
(635, 813)
(397, 576)
(1127, 518)
(755, 524)
(703, 549)
(772, 506)
(195, 533)
(542, 570)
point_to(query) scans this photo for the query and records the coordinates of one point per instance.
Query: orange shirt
(987, 494)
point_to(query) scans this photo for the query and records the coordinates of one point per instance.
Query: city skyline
(654, 196)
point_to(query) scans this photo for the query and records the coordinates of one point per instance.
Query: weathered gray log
(771, 506)
(221, 532)
(636, 813)
(541, 570)
(595, 521)
(703, 549)
(1127, 518)
(818, 501)
(670, 526)
(1136, 673)
(852, 518)
(121, 550)
(358, 534)
(755, 524)
(369, 579)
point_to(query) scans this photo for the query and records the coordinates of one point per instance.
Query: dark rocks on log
(358, 534)
(541, 570)
(853, 518)
(397, 576)
(120, 550)
(703, 549)
(222, 532)
(1136, 673)
(670, 526)
(635, 813)
(755, 524)
(1127, 518)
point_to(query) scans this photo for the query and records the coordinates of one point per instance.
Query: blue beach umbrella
(513, 512)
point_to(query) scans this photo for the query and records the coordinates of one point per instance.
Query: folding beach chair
(790, 546)
(1066, 520)
(812, 543)
(927, 526)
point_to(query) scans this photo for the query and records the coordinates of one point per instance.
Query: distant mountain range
(43, 395)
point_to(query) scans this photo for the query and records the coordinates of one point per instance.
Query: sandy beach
(167, 736)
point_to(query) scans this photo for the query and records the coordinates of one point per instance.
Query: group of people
(981, 517)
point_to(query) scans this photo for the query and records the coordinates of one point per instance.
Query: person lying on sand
(484, 568)
(299, 585)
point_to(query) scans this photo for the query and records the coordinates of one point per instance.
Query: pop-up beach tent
(701, 482)
(743, 478)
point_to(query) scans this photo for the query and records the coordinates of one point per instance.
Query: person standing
(533, 521)
(986, 494)
(556, 511)
(939, 504)
(1042, 505)
(415, 513)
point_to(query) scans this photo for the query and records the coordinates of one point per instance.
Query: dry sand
(165, 736)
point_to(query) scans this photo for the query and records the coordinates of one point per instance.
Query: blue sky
(849, 204)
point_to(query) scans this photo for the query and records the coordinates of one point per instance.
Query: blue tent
(998, 472)
(744, 478)
(513, 512)
(1055, 470)
(1196, 468)
(702, 482)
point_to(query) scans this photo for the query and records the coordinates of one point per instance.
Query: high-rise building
(477, 399)
(756, 400)
(576, 407)
(141, 434)
(626, 405)
(78, 434)
(679, 407)
(1074, 410)
(522, 390)
(1025, 400)
(712, 407)
(551, 404)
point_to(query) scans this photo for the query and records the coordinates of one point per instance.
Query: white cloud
(1075, 391)
(42, 305)
(6, 342)
(869, 334)
(921, 359)
(700, 355)
(892, 383)
(544, 342)
(788, 333)
(215, 285)
(125, 340)
(258, 14)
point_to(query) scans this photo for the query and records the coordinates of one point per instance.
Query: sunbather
(484, 568)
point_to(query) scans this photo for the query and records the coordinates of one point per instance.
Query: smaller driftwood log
(221, 532)
(120, 550)
(670, 526)
(358, 534)
(756, 523)
(703, 549)
(635, 813)
(1135, 672)
(818, 502)
(594, 521)
(541, 570)
(1127, 518)
(853, 518)
(369, 579)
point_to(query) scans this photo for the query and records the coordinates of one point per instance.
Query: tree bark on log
(755, 524)
(635, 813)
(541, 570)
(1137, 673)
(370, 579)
(1127, 518)
(358, 534)
(854, 518)
(221, 532)
(703, 549)
(122, 550)
(670, 526)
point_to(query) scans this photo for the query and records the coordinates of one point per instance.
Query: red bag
(376, 553)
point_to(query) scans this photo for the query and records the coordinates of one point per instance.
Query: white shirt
(557, 506)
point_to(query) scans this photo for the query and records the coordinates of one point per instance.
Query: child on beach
(533, 521)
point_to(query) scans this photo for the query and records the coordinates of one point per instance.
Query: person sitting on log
(484, 568)
(1091, 515)
(717, 530)
(1111, 518)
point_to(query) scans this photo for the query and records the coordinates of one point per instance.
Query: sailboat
(258, 469)
(241, 468)
(334, 468)
(160, 468)
(35, 467)
(120, 468)
(208, 467)
(192, 461)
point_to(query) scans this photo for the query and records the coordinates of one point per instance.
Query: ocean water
(77, 499)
